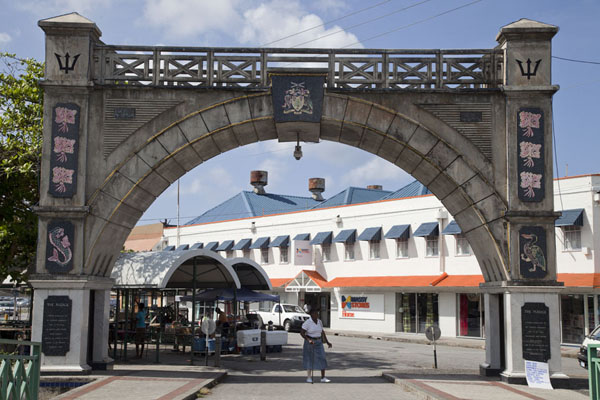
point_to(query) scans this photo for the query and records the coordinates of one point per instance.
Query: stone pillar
(100, 358)
(493, 336)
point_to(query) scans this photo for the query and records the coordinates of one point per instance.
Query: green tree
(20, 154)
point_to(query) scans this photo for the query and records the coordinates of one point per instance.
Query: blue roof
(346, 236)
(322, 238)
(302, 236)
(414, 188)
(211, 246)
(281, 241)
(353, 195)
(249, 204)
(243, 244)
(371, 234)
(225, 246)
(570, 217)
(452, 229)
(398, 232)
(261, 243)
(427, 229)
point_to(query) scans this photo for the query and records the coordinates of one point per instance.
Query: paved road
(355, 370)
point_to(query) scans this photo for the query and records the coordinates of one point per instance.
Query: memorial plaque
(56, 332)
(535, 325)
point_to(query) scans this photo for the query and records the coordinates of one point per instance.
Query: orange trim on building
(279, 282)
(461, 281)
(581, 280)
(384, 281)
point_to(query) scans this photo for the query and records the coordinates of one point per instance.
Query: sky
(398, 24)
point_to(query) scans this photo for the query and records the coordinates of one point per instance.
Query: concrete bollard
(263, 345)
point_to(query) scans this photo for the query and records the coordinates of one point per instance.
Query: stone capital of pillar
(70, 282)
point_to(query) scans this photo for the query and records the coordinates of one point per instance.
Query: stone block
(491, 207)
(460, 171)
(380, 119)
(245, 133)
(139, 198)
(456, 202)
(408, 160)
(187, 157)
(261, 106)
(126, 215)
(351, 134)
(118, 186)
(238, 111)
(442, 155)
(442, 186)
(370, 141)
(390, 150)
(265, 129)
(334, 107)
(172, 139)
(469, 219)
(154, 183)
(422, 141)
(193, 127)
(425, 172)
(331, 130)
(357, 112)
(225, 140)
(477, 188)
(170, 170)
(206, 148)
(402, 128)
(152, 153)
(103, 205)
(215, 118)
(135, 168)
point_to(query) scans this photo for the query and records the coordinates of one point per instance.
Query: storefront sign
(56, 330)
(302, 252)
(362, 306)
(535, 325)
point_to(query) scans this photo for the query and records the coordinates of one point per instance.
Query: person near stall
(140, 330)
(313, 352)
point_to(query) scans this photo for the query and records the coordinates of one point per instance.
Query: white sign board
(537, 374)
(362, 306)
(302, 252)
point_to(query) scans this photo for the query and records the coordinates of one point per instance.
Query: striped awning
(452, 229)
(370, 234)
(322, 238)
(398, 232)
(346, 236)
(570, 217)
(212, 246)
(243, 244)
(225, 246)
(281, 241)
(427, 229)
(261, 243)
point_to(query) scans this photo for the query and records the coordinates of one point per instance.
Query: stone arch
(158, 153)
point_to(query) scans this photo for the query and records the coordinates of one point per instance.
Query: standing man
(140, 330)
(313, 352)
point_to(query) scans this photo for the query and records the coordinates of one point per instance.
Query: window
(264, 255)
(431, 249)
(471, 315)
(401, 248)
(349, 251)
(462, 246)
(374, 247)
(283, 255)
(246, 253)
(416, 311)
(326, 251)
(572, 237)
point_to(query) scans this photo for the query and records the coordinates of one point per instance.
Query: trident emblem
(529, 74)
(66, 67)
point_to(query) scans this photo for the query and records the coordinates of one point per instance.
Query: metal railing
(20, 373)
(343, 68)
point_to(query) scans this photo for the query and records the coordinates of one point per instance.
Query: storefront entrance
(416, 311)
(321, 301)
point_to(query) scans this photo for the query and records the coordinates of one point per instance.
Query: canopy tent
(230, 294)
(250, 274)
(174, 269)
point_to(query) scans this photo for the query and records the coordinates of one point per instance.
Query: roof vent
(316, 186)
(259, 179)
(375, 187)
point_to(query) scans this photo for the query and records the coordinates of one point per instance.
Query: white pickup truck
(289, 316)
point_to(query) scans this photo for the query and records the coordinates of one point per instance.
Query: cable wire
(414, 23)
(577, 61)
(326, 23)
(364, 22)
(556, 162)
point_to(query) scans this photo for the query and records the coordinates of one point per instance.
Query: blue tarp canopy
(398, 232)
(211, 246)
(570, 217)
(302, 236)
(427, 229)
(225, 246)
(452, 229)
(370, 234)
(322, 238)
(346, 236)
(230, 294)
(261, 243)
(281, 241)
(197, 245)
(243, 244)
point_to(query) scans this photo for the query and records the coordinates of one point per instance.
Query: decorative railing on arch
(20, 374)
(344, 68)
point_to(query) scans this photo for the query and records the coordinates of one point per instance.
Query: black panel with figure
(532, 252)
(297, 97)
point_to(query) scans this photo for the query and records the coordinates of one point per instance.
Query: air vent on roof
(259, 179)
(375, 187)
(316, 186)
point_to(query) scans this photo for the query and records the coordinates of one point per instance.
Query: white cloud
(376, 171)
(48, 8)
(4, 38)
(216, 179)
(278, 170)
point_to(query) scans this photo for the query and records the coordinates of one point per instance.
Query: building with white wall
(380, 261)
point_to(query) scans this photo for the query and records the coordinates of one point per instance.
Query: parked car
(7, 307)
(593, 337)
(288, 316)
